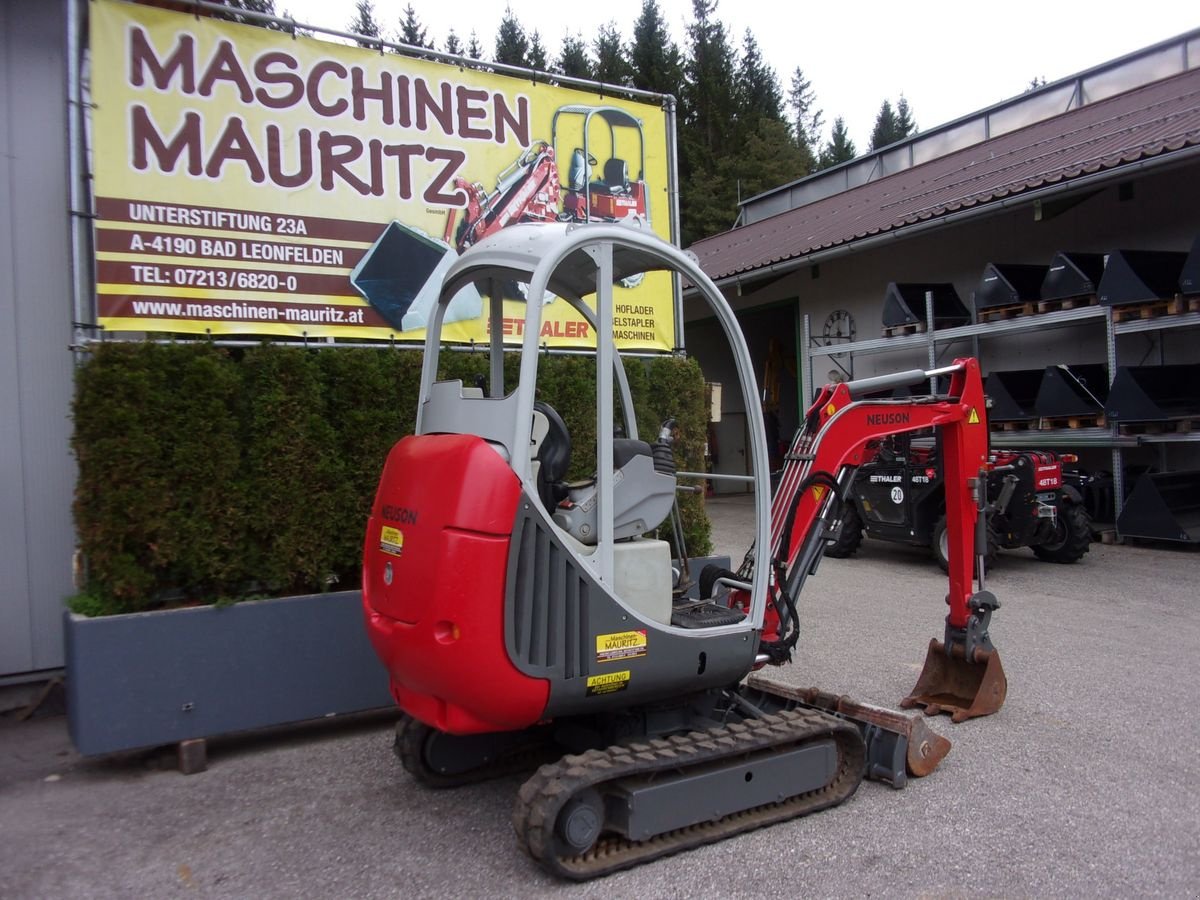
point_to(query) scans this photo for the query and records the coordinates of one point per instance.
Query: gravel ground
(1085, 784)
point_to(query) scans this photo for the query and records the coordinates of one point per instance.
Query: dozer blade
(917, 752)
(952, 684)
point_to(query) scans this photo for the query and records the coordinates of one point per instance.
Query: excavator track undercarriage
(601, 811)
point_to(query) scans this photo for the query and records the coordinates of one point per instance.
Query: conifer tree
(905, 124)
(806, 121)
(512, 46)
(839, 149)
(655, 61)
(573, 58)
(892, 125)
(887, 130)
(453, 44)
(757, 89)
(474, 50)
(258, 6)
(364, 23)
(708, 192)
(412, 32)
(611, 65)
(708, 100)
(535, 58)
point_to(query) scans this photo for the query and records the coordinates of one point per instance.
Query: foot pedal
(705, 615)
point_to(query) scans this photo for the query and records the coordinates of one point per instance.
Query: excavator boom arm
(839, 428)
(962, 675)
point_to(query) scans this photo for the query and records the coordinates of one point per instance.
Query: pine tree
(766, 157)
(611, 65)
(708, 99)
(892, 125)
(905, 124)
(453, 44)
(840, 148)
(806, 124)
(364, 23)
(512, 47)
(766, 154)
(474, 51)
(708, 113)
(258, 6)
(887, 129)
(536, 57)
(655, 61)
(573, 58)
(287, 14)
(412, 32)
(757, 89)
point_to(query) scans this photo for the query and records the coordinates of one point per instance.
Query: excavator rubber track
(544, 796)
(509, 753)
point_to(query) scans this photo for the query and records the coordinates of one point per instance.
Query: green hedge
(209, 474)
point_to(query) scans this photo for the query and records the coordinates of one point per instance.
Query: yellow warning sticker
(609, 683)
(973, 417)
(830, 409)
(622, 645)
(391, 540)
(818, 492)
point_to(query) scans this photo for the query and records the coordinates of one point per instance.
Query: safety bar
(896, 379)
(713, 476)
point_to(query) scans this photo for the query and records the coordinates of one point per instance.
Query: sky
(948, 59)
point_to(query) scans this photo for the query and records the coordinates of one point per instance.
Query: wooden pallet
(1015, 424)
(909, 328)
(1155, 309)
(1051, 423)
(999, 313)
(1166, 426)
(1045, 306)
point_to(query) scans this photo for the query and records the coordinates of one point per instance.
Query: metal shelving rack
(1107, 437)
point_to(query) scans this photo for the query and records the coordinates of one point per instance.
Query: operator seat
(616, 178)
(551, 446)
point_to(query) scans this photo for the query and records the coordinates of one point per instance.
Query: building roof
(1151, 122)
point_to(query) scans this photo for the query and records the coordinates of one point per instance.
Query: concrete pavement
(1085, 784)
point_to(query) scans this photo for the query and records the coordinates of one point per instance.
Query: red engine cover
(434, 565)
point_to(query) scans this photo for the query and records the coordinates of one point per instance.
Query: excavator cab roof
(515, 253)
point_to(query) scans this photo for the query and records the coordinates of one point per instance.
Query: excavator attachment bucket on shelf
(950, 683)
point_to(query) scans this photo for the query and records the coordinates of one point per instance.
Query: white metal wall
(36, 468)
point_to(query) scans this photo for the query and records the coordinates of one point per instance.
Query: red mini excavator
(521, 615)
(527, 191)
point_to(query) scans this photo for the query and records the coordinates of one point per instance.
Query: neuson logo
(401, 514)
(888, 418)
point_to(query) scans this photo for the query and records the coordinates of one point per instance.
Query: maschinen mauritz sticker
(622, 645)
(391, 540)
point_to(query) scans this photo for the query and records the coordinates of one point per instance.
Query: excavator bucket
(952, 684)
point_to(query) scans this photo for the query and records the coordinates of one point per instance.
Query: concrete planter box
(155, 678)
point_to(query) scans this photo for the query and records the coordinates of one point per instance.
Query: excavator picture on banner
(402, 272)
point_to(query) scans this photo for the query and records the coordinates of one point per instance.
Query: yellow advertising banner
(251, 182)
